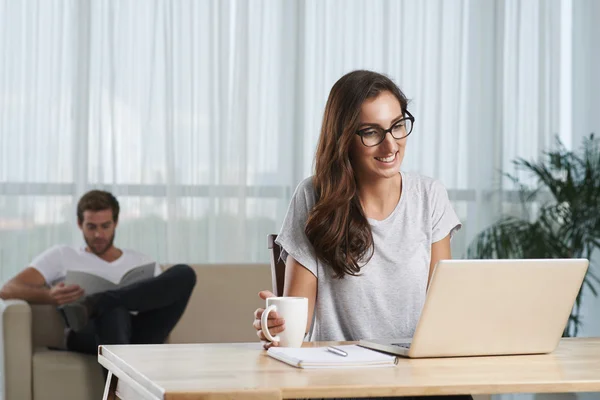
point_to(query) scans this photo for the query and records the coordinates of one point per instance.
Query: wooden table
(244, 371)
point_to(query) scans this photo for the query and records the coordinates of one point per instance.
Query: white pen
(337, 351)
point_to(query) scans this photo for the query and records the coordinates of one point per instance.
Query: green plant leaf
(567, 225)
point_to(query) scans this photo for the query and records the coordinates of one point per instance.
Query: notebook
(320, 357)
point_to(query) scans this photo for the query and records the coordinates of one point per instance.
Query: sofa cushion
(66, 375)
(221, 306)
(48, 326)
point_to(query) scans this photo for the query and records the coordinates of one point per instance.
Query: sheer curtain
(202, 116)
(184, 110)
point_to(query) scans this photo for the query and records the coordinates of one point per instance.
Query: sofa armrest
(15, 350)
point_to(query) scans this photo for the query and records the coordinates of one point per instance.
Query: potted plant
(560, 215)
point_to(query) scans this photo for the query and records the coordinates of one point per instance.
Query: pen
(337, 351)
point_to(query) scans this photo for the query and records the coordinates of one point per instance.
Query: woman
(361, 238)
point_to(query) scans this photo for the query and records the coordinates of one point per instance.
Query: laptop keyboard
(405, 345)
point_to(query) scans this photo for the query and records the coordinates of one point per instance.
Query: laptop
(492, 307)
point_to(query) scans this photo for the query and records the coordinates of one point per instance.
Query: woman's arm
(439, 251)
(300, 282)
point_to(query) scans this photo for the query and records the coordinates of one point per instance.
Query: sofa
(35, 366)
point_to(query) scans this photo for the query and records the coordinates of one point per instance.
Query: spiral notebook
(320, 357)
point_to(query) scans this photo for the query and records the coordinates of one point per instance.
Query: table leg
(110, 387)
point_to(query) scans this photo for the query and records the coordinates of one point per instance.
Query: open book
(92, 283)
(320, 357)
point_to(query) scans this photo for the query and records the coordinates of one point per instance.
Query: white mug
(295, 312)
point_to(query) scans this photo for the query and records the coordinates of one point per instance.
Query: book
(320, 357)
(92, 283)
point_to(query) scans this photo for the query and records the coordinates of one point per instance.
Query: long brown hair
(337, 226)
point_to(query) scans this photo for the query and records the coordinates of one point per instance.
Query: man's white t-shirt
(54, 263)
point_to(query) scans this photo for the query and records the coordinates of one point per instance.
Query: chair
(277, 266)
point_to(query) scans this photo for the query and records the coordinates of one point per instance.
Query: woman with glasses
(361, 237)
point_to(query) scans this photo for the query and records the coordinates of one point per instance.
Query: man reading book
(142, 312)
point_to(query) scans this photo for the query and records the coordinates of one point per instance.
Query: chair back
(277, 266)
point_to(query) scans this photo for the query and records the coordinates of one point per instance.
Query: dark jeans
(159, 303)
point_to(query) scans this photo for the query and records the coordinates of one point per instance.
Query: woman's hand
(275, 323)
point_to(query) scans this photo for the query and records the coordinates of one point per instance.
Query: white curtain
(202, 116)
(183, 109)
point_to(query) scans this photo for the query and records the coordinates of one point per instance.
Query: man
(143, 312)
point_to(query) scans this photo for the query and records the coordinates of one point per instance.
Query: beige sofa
(220, 310)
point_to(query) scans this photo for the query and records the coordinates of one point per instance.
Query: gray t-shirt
(385, 301)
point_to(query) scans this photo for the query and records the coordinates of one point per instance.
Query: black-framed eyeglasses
(373, 135)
